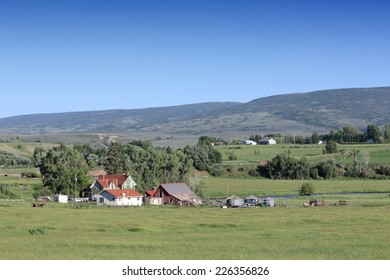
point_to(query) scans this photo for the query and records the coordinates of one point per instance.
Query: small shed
(269, 201)
(251, 200)
(149, 198)
(234, 201)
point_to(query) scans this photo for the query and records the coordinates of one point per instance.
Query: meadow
(248, 154)
(204, 233)
(225, 186)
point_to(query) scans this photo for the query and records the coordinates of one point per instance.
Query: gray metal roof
(177, 189)
(181, 191)
(251, 197)
(234, 197)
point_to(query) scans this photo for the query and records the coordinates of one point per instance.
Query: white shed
(61, 198)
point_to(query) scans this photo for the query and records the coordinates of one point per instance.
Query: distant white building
(248, 142)
(267, 141)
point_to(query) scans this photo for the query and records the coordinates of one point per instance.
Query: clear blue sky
(60, 56)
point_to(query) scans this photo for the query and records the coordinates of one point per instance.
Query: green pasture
(17, 149)
(205, 233)
(223, 186)
(379, 153)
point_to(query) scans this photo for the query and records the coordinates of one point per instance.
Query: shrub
(306, 189)
(331, 147)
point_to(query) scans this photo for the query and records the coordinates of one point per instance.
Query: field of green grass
(221, 186)
(170, 233)
(379, 153)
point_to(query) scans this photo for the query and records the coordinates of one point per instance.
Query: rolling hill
(295, 113)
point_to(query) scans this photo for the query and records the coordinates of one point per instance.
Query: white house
(267, 141)
(119, 197)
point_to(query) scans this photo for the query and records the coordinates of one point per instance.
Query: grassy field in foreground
(194, 233)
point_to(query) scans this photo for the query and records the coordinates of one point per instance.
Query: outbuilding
(248, 142)
(251, 200)
(61, 198)
(177, 194)
(269, 201)
(149, 198)
(267, 141)
(234, 201)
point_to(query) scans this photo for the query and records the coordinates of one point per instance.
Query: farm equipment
(38, 204)
(340, 203)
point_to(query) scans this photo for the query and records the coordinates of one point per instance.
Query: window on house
(101, 199)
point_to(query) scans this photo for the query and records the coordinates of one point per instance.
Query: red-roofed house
(118, 197)
(112, 182)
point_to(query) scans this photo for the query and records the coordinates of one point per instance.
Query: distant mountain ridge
(295, 113)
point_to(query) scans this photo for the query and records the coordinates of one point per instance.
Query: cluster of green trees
(65, 169)
(350, 134)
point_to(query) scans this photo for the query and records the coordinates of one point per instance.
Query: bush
(306, 189)
(383, 170)
(26, 174)
(215, 170)
(331, 147)
(6, 193)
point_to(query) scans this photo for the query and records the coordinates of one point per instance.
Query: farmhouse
(118, 197)
(111, 182)
(177, 194)
(267, 141)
